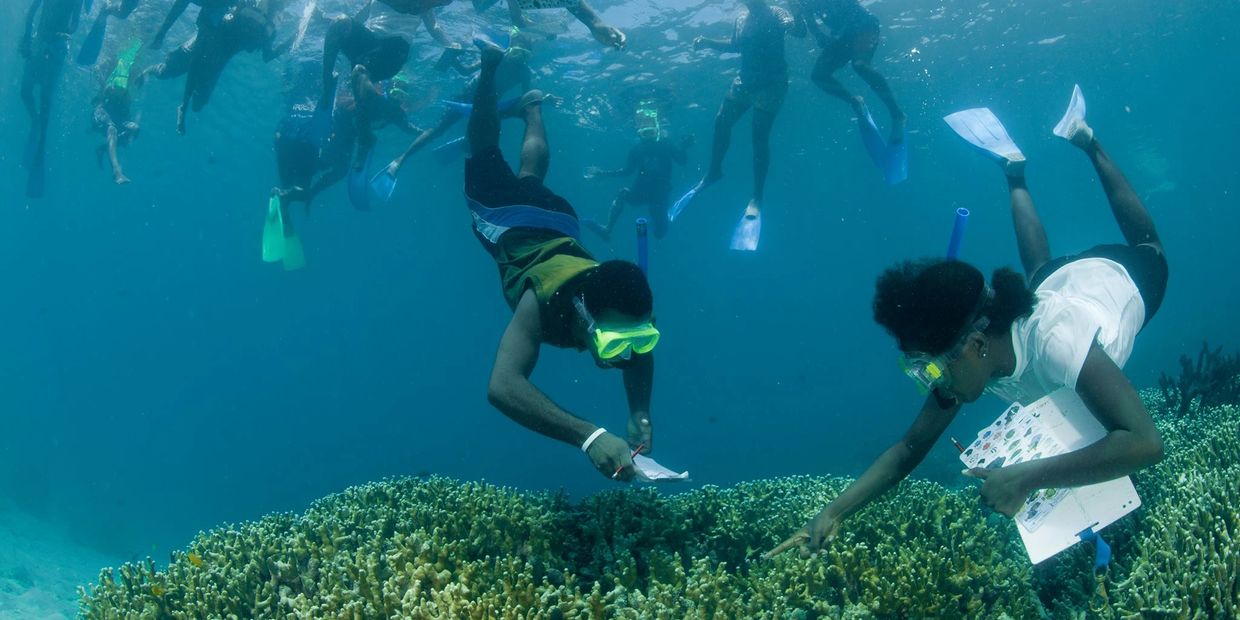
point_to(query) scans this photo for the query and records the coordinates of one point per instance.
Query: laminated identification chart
(1051, 519)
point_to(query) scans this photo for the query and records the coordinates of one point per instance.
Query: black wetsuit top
(652, 162)
(841, 16)
(759, 37)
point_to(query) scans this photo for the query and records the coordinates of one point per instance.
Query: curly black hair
(925, 303)
(618, 285)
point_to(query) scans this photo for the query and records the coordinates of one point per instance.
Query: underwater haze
(158, 379)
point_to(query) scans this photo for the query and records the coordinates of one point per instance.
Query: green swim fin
(294, 257)
(273, 232)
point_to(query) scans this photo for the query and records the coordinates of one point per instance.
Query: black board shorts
(1146, 265)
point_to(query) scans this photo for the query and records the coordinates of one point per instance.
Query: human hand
(641, 432)
(1004, 490)
(591, 172)
(612, 457)
(820, 530)
(699, 42)
(609, 36)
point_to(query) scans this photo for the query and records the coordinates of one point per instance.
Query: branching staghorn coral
(438, 548)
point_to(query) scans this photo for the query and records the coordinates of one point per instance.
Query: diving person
(560, 296)
(601, 31)
(513, 73)
(1071, 324)
(248, 26)
(306, 167)
(651, 159)
(379, 38)
(761, 84)
(112, 115)
(851, 37)
(44, 47)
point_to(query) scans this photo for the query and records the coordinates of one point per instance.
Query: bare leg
(824, 77)
(484, 120)
(446, 121)
(1031, 239)
(617, 207)
(1133, 219)
(763, 121)
(117, 173)
(729, 112)
(535, 156)
(880, 87)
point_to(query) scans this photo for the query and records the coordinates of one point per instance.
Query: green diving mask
(646, 117)
(930, 372)
(618, 342)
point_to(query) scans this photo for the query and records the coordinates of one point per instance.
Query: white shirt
(1087, 300)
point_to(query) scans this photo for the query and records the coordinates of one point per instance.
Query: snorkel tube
(953, 246)
(643, 247)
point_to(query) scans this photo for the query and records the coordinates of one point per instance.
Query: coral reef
(1213, 380)
(438, 548)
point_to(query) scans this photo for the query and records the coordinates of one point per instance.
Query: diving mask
(646, 117)
(930, 372)
(618, 342)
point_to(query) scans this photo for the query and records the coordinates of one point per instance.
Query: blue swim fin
(979, 127)
(383, 184)
(93, 43)
(891, 158)
(500, 41)
(451, 152)
(748, 230)
(505, 107)
(683, 202)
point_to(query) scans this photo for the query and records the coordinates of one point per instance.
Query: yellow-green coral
(438, 548)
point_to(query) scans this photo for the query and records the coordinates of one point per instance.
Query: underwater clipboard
(1055, 424)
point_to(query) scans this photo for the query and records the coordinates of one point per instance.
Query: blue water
(156, 378)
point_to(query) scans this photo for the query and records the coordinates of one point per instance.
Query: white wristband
(590, 440)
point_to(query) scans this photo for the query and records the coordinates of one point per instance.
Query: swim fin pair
(891, 157)
(280, 244)
(980, 127)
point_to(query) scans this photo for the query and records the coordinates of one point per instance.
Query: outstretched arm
(889, 469)
(1131, 443)
(603, 33)
(433, 28)
(594, 172)
(510, 389)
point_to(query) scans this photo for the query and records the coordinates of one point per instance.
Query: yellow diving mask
(618, 342)
(646, 117)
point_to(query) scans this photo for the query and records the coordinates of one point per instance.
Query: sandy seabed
(41, 568)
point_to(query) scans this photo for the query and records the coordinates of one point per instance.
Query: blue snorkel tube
(643, 247)
(953, 246)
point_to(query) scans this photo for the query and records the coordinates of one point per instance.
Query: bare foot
(181, 119)
(121, 179)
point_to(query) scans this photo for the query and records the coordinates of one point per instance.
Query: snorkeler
(761, 85)
(651, 160)
(600, 30)
(513, 72)
(112, 111)
(210, 15)
(379, 38)
(1071, 324)
(44, 48)
(851, 37)
(560, 296)
(248, 26)
(306, 166)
